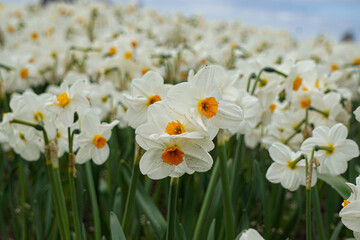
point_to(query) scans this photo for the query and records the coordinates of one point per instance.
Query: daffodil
(202, 97)
(145, 91)
(68, 101)
(173, 157)
(249, 234)
(333, 149)
(93, 139)
(350, 213)
(288, 167)
(163, 122)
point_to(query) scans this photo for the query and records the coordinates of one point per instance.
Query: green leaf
(117, 232)
(336, 232)
(338, 183)
(211, 233)
(146, 204)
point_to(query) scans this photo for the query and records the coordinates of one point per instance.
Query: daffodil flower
(335, 150)
(288, 167)
(173, 157)
(93, 139)
(145, 91)
(350, 213)
(69, 101)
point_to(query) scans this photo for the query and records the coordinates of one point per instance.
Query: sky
(301, 18)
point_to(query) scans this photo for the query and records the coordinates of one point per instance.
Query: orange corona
(173, 155)
(208, 107)
(99, 141)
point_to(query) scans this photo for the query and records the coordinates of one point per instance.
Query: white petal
(100, 155)
(228, 115)
(280, 153)
(83, 155)
(337, 134)
(196, 157)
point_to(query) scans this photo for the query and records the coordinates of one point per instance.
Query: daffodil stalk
(309, 168)
(239, 156)
(207, 201)
(252, 76)
(93, 200)
(171, 215)
(229, 217)
(72, 175)
(57, 191)
(317, 207)
(23, 200)
(318, 111)
(132, 188)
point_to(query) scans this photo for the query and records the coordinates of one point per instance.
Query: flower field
(122, 123)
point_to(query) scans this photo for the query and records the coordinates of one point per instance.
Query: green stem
(252, 76)
(207, 201)
(62, 202)
(318, 111)
(292, 136)
(308, 214)
(229, 217)
(171, 217)
(132, 188)
(293, 163)
(256, 82)
(71, 175)
(93, 199)
(318, 217)
(240, 149)
(23, 199)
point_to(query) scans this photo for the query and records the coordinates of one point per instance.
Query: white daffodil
(350, 214)
(333, 149)
(26, 143)
(249, 234)
(288, 168)
(202, 97)
(93, 139)
(145, 91)
(164, 122)
(69, 101)
(173, 157)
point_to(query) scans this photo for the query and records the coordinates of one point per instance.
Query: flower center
(63, 99)
(305, 103)
(34, 36)
(357, 61)
(134, 44)
(112, 51)
(24, 73)
(272, 107)
(153, 99)
(297, 83)
(208, 107)
(58, 134)
(263, 82)
(174, 128)
(173, 155)
(99, 141)
(127, 55)
(346, 202)
(334, 67)
(330, 150)
(38, 116)
(22, 136)
(145, 70)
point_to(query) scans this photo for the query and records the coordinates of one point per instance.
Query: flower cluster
(179, 122)
(60, 114)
